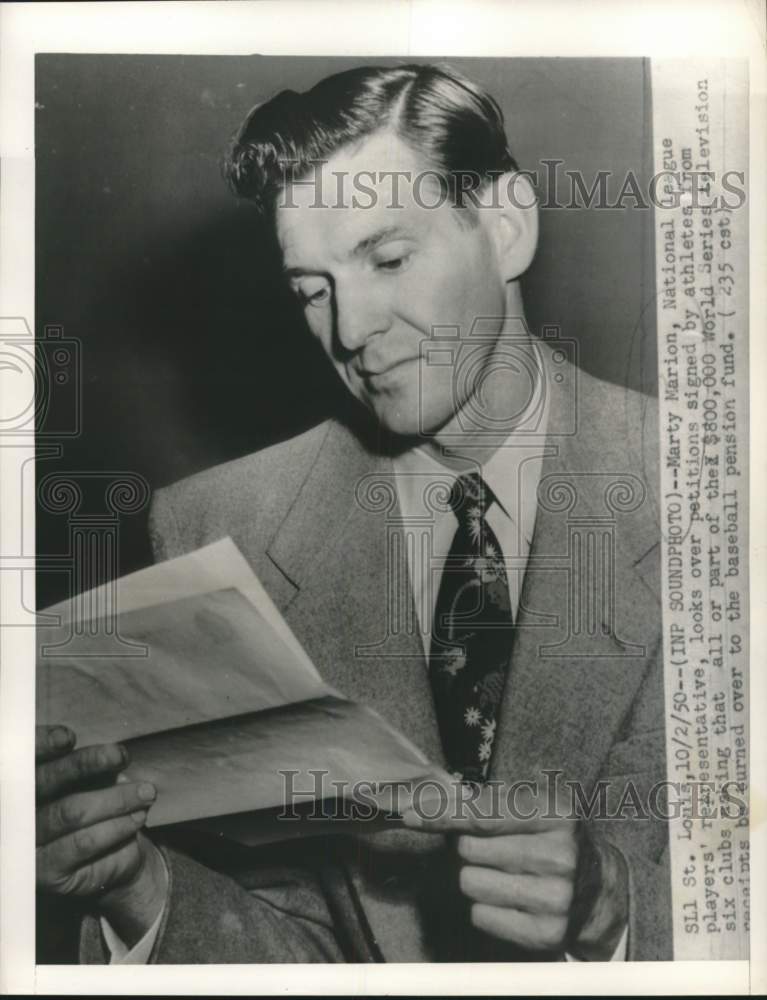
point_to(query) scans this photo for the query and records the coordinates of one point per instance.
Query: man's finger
(55, 777)
(84, 809)
(52, 741)
(489, 811)
(62, 857)
(531, 893)
(531, 931)
(552, 853)
(115, 868)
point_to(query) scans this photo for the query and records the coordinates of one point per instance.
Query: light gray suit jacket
(586, 701)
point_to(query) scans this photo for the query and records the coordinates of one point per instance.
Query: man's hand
(88, 839)
(525, 876)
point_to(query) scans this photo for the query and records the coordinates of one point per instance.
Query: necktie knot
(470, 497)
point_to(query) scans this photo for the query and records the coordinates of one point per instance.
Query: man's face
(375, 281)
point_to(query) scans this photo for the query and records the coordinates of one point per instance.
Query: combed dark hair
(453, 123)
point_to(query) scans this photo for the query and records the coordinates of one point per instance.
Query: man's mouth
(379, 374)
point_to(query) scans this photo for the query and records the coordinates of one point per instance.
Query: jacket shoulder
(251, 493)
(623, 422)
(619, 430)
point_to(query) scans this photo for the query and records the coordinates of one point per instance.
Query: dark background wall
(191, 352)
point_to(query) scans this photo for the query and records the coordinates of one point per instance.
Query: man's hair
(452, 122)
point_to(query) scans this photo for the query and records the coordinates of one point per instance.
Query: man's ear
(513, 215)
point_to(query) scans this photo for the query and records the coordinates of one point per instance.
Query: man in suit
(474, 554)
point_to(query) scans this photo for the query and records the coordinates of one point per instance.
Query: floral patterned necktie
(471, 634)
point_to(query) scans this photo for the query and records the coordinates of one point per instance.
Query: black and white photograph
(382, 491)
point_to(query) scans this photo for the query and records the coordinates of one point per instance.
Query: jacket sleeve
(211, 918)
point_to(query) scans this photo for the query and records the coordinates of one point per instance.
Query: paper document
(210, 690)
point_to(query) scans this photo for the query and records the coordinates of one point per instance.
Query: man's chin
(407, 424)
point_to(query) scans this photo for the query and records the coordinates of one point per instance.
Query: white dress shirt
(139, 954)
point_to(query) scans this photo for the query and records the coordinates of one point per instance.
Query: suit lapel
(346, 590)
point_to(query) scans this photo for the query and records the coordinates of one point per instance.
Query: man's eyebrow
(376, 239)
(299, 272)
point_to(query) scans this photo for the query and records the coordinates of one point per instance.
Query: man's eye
(315, 298)
(393, 263)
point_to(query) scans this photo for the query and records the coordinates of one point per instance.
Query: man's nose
(359, 315)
